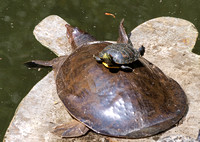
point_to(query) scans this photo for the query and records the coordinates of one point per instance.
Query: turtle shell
(121, 53)
(117, 103)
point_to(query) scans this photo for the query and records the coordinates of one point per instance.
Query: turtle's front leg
(97, 58)
(71, 129)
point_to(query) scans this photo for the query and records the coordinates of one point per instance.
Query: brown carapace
(114, 102)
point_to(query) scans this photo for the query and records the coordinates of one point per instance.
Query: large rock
(168, 42)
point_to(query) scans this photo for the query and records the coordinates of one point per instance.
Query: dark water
(17, 43)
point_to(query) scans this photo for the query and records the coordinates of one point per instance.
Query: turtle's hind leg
(38, 64)
(42, 64)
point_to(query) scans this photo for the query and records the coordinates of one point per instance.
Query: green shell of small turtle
(121, 53)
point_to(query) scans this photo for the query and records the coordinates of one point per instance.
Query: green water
(18, 45)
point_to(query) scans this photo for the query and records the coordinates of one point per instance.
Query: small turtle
(121, 54)
(120, 104)
(117, 55)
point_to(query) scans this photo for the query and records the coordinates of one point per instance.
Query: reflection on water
(17, 43)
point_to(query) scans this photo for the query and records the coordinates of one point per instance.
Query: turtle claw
(126, 68)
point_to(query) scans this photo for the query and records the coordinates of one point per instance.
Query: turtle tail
(142, 50)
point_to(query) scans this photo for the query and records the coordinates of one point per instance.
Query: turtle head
(142, 50)
(107, 59)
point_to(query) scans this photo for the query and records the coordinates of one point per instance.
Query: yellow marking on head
(107, 66)
(106, 56)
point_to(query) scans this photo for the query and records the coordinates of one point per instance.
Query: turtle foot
(97, 58)
(126, 68)
(71, 129)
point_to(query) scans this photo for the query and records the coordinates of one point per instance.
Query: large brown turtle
(113, 102)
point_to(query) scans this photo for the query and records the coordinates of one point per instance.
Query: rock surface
(168, 43)
(51, 32)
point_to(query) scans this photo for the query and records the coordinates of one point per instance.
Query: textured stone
(177, 138)
(168, 43)
(51, 32)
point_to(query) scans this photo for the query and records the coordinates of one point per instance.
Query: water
(18, 45)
